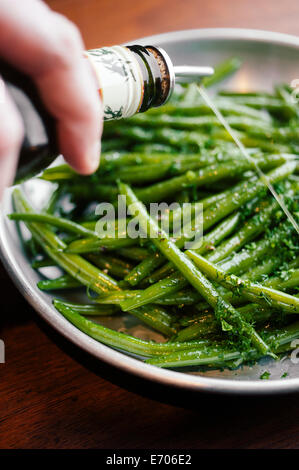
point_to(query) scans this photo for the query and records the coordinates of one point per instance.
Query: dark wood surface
(54, 396)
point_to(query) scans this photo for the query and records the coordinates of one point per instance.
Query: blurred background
(107, 22)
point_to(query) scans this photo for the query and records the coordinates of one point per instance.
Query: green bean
(119, 340)
(249, 230)
(222, 356)
(253, 292)
(135, 253)
(155, 317)
(42, 263)
(112, 160)
(59, 222)
(31, 247)
(162, 190)
(102, 192)
(244, 94)
(112, 239)
(244, 192)
(88, 245)
(179, 139)
(135, 133)
(275, 282)
(270, 103)
(288, 102)
(242, 261)
(197, 140)
(176, 216)
(187, 297)
(208, 242)
(180, 299)
(205, 324)
(141, 174)
(287, 281)
(245, 123)
(154, 148)
(136, 159)
(258, 271)
(213, 356)
(222, 71)
(264, 144)
(239, 263)
(182, 236)
(63, 282)
(226, 314)
(115, 298)
(92, 309)
(83, 271)
(118, 225)
(278, 134)
(114, 266)
(89, 224)
(74, 265)
(115, 144)
(117, 161)
(211, 199)
(225, 105)
(245, 233)
(58, 173)
(52, 203)
(261, 271)
(151, 172)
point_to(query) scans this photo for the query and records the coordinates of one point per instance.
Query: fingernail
(94, 155)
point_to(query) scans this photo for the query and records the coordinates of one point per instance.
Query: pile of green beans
(229, 300)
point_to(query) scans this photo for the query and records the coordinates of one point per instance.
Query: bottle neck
(131, 79)
(155, 74)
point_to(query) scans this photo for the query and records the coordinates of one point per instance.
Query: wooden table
(54, 396)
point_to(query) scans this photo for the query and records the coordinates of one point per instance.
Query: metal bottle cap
(183, 73)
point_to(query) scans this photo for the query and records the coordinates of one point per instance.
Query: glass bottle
(131, 79)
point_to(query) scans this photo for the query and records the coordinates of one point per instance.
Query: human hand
(49, 48)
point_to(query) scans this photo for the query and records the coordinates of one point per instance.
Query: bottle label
(120, 81)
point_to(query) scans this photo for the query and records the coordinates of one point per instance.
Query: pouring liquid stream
(205, 96)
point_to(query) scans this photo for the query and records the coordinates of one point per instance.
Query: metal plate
(269, 58)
